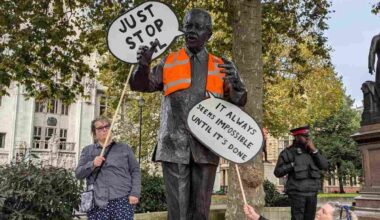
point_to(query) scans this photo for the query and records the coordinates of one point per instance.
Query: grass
(337, 195)
(222, 199)
(219, 199)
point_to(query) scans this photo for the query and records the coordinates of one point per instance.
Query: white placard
(225, 129)
(142, 25)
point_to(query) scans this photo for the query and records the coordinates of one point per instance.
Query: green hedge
(29, 191)
(153, 197)
(272, 197)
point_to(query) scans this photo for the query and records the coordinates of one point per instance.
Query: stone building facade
(52, 130)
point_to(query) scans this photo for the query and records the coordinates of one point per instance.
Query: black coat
(303, 169)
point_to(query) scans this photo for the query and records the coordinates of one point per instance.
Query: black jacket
(303, 169)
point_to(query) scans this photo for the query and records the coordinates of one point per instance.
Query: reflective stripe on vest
(177, 74)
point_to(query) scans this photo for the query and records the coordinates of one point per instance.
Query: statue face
(196, 31)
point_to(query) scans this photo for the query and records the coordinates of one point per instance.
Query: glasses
(103, 127)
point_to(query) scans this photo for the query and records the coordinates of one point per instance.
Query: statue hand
(232, 74)
(144, 54)
(370, 71)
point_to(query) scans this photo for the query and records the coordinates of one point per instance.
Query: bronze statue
(373, 51)
(371, 90)
(184, 77)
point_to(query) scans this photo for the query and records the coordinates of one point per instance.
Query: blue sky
(351, 28)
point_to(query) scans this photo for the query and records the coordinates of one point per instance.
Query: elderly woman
(115, 177)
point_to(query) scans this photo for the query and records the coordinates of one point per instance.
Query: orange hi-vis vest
(177, 74)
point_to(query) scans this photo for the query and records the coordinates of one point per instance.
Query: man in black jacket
(302, 162)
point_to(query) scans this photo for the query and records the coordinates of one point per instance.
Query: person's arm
(284, 165)
(372, 53)
(318, 159)
(251, 214)
(85, 165)
(134, 170)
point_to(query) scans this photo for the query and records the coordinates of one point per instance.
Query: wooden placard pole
(116, 112)
(241, 185)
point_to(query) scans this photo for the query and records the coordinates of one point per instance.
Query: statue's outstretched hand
(232, 74)
(144, 54)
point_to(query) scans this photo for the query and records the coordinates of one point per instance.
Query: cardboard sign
(226, 130)
(142, 25)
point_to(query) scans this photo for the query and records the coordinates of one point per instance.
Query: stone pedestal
(368, 203)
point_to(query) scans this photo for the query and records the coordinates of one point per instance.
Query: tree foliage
(43, 45)
(332, 136)
(376, 8)
(301, 94)
(300, 85)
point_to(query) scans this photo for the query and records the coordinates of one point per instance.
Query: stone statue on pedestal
(371, 90)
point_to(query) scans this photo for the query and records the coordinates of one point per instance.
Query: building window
(40, 106)
(103, 105)
(2, 140)
(49, 132)
(64, 109)
(0, 100)
(37, 137)
(62, 139)
(53, 106)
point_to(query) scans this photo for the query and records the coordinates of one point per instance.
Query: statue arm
(143, 79)
(236, 95)
(234, 88)
(372, 53)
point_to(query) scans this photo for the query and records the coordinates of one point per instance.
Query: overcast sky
(351, 28)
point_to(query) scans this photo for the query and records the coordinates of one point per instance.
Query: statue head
(197, 26)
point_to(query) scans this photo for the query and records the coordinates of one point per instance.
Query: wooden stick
(241, 185)
(117, 110)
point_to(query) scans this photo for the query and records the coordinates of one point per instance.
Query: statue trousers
(188, 189)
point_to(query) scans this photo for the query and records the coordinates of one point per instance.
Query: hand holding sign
(225, 129)
(144, 53)
(142, 26)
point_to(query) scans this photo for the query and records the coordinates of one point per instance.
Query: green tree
(43, 46)
(301, 94)
(376, 8)
(300, 85)
(332, 136)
